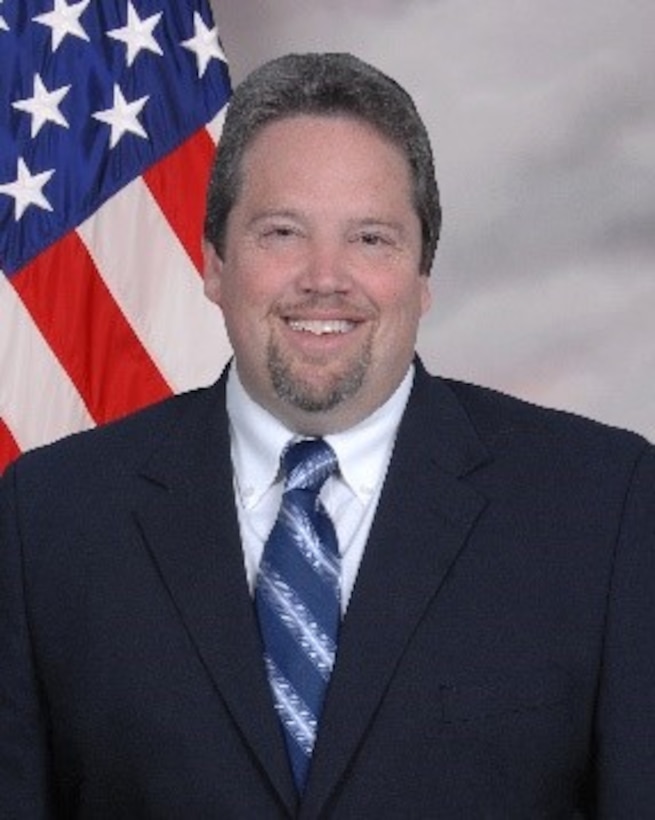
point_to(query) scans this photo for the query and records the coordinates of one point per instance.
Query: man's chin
(310, 397)
(316, 395)
(316, 387)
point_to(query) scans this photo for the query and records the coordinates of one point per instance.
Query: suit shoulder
(116, 446)
(498, 416)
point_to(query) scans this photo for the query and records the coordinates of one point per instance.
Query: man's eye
(373, 239)
(282, 231)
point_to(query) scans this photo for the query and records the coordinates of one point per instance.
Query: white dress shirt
(350, 497)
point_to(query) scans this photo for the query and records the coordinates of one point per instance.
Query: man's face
(319, 282)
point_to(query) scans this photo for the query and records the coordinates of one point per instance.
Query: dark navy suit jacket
(497, 659)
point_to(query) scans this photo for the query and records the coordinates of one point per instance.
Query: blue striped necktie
(297, 598)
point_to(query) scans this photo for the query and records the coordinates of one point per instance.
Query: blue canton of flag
(97, 92)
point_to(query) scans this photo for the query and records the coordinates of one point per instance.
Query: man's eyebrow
(274, 213)
(377, 222)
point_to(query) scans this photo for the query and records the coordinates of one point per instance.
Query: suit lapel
(190, 526)
(424, 516)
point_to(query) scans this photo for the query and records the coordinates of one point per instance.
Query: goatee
(305, 395)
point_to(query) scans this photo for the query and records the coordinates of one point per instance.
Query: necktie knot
(308, 464)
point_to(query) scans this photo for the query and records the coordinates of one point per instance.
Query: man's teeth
(321, 326)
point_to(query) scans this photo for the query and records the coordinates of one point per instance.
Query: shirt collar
(364, 450)
(258, 438)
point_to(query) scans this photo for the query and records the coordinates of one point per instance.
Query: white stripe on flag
(215, 126)
(182, 331)
(38, 401)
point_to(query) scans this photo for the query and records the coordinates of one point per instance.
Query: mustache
(330, 303)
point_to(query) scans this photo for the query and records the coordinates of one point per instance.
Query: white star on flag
(122, 117)
(3, 22)
(64, 20)
(204, 44)
(137, 34)
(26, 189)
(43, 105)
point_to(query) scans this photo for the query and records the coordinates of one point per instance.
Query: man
(495, 565)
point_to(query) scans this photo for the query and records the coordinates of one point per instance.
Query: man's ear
(212, 270)
(426, 294)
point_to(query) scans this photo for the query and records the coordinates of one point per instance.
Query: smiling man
(320, 280)
(330, 585)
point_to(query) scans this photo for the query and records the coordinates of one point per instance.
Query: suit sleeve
(24, 764)
(625, 729)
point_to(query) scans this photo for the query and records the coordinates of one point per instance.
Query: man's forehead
(318, 119)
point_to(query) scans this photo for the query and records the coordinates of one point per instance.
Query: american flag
(110, 111)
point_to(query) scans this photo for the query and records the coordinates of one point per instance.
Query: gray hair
(323, 85)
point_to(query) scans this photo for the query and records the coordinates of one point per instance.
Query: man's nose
(326, 269)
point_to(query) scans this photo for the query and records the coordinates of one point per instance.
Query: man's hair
(322, 85)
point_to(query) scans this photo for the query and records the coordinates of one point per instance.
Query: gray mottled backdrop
(542, 117)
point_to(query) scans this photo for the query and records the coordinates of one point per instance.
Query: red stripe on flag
(9, 450)
(179, 184)
(87, 331)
